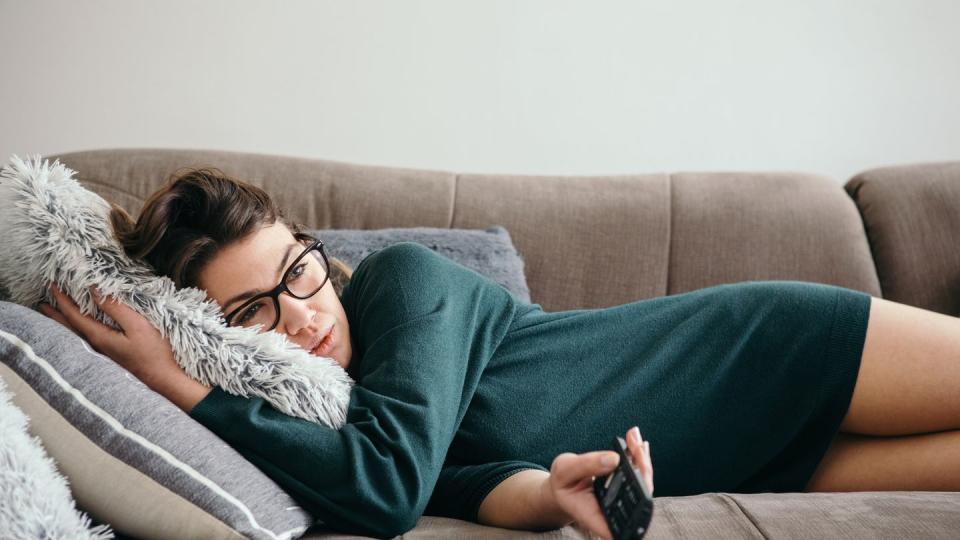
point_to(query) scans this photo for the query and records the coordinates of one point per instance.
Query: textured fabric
(912, 219)
(738, 387)
(318, 194)
(866, 515)
(733, 227)
(488, 252)
(133, 424)
(441, 528)
(755, 375)
(587, 241)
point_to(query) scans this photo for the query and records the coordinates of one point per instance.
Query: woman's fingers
(648, 472)
(635, 446)
(91, 329)
(49, 311)
(571, 469)
(640, 454)
(124, 315)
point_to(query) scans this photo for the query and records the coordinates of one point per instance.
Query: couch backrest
(586, 241)
(912, 219)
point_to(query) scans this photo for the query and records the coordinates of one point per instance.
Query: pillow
(489, 252)
(133, 459)
(54, 230)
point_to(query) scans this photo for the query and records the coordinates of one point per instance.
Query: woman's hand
(571, 480)
(137, 346)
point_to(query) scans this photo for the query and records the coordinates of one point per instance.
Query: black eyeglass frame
(274, 294)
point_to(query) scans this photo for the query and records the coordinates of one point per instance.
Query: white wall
(537, 86)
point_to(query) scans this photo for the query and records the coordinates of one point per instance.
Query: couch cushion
(856, 515)
(730, 227)
(316, 193)
(488, 252)
(912, 219)
(587, 241)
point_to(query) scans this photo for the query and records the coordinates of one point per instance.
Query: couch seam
(453, 201)
(669, 232)
(868, 232)
(746, 514)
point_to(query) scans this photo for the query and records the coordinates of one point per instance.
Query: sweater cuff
(215, 410)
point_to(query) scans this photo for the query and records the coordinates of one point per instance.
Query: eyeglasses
(305, 276)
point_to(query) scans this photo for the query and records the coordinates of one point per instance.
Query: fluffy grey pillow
(489, 252)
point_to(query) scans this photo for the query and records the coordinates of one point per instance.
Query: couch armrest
(911, 214)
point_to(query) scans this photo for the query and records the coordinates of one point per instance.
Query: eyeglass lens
(304, 278)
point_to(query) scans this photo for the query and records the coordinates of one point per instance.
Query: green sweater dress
(738, 387)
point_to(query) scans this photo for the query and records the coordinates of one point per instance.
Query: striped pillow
(133, 459)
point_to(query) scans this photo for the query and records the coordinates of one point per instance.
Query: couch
(593, 241)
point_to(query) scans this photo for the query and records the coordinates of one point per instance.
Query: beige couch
(600, 241)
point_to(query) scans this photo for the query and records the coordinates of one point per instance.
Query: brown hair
(194, 215)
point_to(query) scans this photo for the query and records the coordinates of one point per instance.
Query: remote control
(624, 498)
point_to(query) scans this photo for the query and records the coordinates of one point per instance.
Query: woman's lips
(325, 345)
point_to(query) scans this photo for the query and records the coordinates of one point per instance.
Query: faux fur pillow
(54, 230)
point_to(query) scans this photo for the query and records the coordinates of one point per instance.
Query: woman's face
(255, 264)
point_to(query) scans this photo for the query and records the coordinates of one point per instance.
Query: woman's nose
(295, 314)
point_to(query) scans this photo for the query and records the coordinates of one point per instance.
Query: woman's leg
(909, 380)
(907, 389)
(928, 462)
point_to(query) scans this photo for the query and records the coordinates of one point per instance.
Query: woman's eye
(248, 313)
(298, 270)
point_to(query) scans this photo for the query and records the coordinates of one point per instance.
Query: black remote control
(624, 498)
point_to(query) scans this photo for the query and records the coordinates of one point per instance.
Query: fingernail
(609, 460)
(636, 433)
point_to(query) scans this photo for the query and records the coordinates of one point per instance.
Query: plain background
(531, 87)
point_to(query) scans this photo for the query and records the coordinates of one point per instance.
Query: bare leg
(902, 430)
(929, 462)
(909, 379)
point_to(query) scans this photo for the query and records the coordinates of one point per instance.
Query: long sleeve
(461, 489)
(423, 330)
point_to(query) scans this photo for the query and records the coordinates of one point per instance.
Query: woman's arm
(538, 500)
(523, 501)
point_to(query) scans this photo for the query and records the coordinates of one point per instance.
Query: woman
(465, 395)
